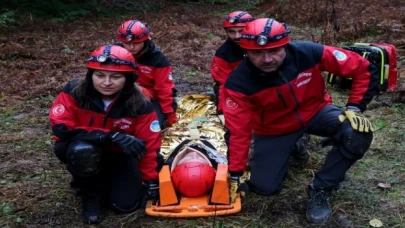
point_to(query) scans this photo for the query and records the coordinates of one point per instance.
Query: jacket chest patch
(303, 78)
(122, 124)
(145, 69)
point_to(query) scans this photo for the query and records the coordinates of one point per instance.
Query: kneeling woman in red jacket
(108, 135)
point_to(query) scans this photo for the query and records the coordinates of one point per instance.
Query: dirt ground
(38, 57)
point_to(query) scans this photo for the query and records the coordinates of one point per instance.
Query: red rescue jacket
(155, 74)
(70, 122)
(285, 101)
(226, 59)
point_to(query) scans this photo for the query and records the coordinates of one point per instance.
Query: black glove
(237, 185)
(130, 144)
(152, 192)
(95, 136)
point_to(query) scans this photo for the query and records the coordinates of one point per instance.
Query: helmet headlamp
(102, 58)
(129, 37)
(262, 40)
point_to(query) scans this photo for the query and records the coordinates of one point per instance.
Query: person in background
(108, 135)
(229, 54)
(153, 68)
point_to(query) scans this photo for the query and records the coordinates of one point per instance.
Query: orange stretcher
(216, 203)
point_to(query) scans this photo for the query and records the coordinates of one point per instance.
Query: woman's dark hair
(84, 91)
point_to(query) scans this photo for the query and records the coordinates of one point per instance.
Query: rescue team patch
(58, 110)
(145, 69)
(303, 78)
(171, 76)
(122, 123)
(154, 126)
(231, 104)
(340, 56)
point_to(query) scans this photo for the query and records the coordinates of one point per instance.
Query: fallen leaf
(18, 117)
(67, 51)
(375, 223)
(384, 185)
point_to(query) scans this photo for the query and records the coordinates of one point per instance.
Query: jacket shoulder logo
(231, 104)
(340, 56)
(155, 126)
(215, 68)
(58, 110)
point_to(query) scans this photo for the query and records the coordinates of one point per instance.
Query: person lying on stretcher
(193, 167)
(194, 183)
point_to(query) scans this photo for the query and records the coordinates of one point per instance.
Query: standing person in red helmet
(230, 54)
(108, 135)
(278, 93)
(153, 68)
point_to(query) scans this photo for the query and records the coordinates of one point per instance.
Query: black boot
(318, 206)
(91, 204)
(299, 157)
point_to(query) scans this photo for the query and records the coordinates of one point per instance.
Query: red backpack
(384, 56)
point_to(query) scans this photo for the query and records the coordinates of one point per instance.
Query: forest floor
(39, 56)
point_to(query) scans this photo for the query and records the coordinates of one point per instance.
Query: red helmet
(133, 31)
(111, 58)
(264, 33)
(193, 179)
(237, 19)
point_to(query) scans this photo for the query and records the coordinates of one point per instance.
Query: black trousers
(269, 160)
(114, 174)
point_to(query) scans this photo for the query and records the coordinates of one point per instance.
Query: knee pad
(353, 144)
(83, 159)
